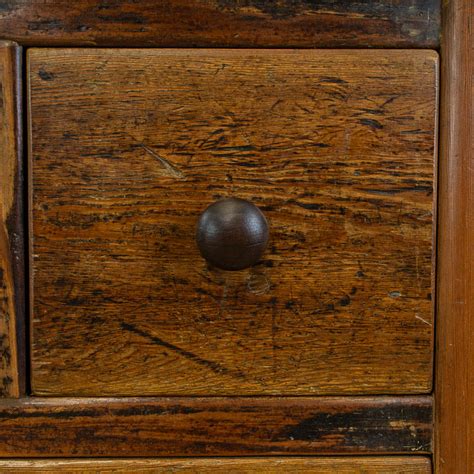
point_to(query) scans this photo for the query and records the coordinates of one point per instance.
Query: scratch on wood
(424, 320)
(169, 167)
(214, 366)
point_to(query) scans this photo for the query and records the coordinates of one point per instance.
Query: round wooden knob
(232, 234)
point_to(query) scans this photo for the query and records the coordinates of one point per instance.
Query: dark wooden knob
(232, 234)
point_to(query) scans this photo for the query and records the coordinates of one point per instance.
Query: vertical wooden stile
(12, 383)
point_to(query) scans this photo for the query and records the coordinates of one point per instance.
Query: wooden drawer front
(128, 147)
(369, 465)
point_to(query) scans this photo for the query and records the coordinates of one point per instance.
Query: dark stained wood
(455, 321)
(224, 23)
(12, 382)
(210, 426)
(128, 147)
(329, 465)
(232, 234)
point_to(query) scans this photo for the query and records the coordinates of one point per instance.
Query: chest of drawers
(223, 237)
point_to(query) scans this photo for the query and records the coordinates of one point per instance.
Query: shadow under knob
(232, 234)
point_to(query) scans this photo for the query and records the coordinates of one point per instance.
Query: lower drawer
(379, 465)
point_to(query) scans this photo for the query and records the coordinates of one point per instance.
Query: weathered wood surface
(214, 426)
(127, 149)
(455, 321)
(11, 225)
(225, 23)
(329, 465)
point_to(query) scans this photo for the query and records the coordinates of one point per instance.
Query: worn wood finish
(329, 465)
(11, 225)
(224, 23)
(455, 322)
(216, 426)
(129, 147)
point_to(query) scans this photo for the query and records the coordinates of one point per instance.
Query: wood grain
(330, 465)
(455, 321)
(128, 147)
(213, 426)
(12, 382)
(223, 23)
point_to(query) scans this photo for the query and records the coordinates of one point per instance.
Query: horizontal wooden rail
(127, 427)
(223, 23)
(275, 465)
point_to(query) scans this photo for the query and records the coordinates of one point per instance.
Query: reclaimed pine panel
(214, 426)
(11, 225)
(129, 146)
(329, 465)
(223, 23)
